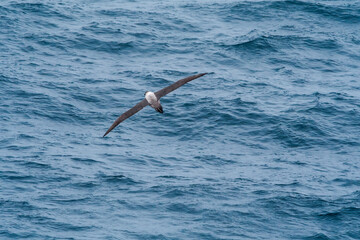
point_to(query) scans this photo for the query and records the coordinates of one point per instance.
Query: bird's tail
(159, 109)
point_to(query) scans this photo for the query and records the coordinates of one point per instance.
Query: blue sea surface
(265, 146)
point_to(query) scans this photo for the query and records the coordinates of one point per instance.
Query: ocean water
(266, 146)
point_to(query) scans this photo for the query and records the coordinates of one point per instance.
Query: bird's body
(152, 99)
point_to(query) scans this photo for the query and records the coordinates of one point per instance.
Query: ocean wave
(263, 146)
(41, 9)
(344, 13)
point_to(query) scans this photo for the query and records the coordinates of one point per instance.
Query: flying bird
(152, 99)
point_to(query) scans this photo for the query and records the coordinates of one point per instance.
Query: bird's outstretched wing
(128, 114)
(176, 85)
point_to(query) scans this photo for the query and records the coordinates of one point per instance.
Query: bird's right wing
(128, 114)
(176, 85)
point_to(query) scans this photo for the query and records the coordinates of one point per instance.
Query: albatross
(152, 99)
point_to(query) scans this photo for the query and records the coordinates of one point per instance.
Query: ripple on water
(264, 146)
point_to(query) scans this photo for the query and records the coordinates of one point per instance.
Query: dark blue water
(266, 146)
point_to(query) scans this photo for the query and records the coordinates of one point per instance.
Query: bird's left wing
(176, 85)
(128, 114)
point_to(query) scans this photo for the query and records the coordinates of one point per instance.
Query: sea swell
(266, 145)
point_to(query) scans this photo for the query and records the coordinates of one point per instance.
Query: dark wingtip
(200, 75)
(109, 130)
